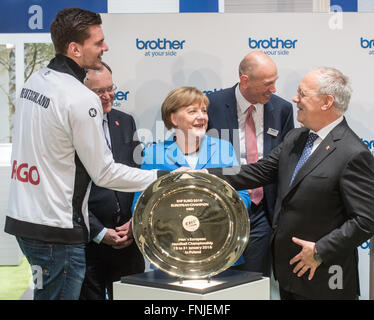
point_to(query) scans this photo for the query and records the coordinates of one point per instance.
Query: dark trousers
(105, 265)
(257, 255)
(286, 295)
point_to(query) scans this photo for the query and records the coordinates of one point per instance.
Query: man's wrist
(100, 236)
(316, 256)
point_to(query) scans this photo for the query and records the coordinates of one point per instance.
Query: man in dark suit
(273, 118)
(112, 252)
(325, 203)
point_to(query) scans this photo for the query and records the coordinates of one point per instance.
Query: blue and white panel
(353, 5)
(25, 16)
(162, 6)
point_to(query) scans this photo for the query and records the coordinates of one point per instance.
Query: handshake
(181, 169)
(122, 236)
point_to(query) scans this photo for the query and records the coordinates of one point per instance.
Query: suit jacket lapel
(293, 158)
(232, 119)
(326, 147)
(232, 112)
(269, 122)
(115, 133)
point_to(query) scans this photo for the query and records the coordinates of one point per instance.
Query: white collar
(322, 133)
(243, 103)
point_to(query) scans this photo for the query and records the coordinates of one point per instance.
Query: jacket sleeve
(95, 225)
(251, 176)
(85, 120)
(357, 190)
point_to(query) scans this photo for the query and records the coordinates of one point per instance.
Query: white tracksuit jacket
(58, 147)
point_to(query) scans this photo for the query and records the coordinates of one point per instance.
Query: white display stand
(10, 253)
(254, 290)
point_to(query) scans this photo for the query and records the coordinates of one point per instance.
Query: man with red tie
(257, 120)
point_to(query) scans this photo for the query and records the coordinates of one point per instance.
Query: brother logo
(365, 245)
(211, 91)
(272, 43)
(369, 143)
(366, 44)
(120, 95)
(159, 44)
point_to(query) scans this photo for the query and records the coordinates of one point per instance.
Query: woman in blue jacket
(185, 111)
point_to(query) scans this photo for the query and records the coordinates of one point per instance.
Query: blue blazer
(214, 153)
(278, 115)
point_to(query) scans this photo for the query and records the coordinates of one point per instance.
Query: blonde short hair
(178, 98)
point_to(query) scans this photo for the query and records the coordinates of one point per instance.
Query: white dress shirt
(258, 118)
(322, 133)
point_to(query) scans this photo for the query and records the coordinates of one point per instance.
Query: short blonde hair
(178, 98)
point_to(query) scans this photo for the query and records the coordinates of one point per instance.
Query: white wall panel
(143, 6)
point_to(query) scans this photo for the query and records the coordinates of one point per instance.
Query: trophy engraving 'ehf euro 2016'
(191, 225)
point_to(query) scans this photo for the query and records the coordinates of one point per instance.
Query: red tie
(251, 150)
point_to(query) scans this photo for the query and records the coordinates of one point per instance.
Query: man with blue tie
(256, 121)
(324, 209)
(112, 253)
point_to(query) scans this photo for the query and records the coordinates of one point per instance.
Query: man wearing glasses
(110, 255)
(324, 208)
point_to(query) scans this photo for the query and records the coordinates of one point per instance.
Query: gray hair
(336, 84)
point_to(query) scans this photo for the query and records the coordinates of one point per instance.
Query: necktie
(306, 153)
(252, 152)
(105, 125)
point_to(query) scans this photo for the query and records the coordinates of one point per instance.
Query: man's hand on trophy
(201, 170)
(182, 169)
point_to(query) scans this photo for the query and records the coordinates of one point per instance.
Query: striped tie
(306, 153)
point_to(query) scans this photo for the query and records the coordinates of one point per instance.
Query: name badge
(273, 132)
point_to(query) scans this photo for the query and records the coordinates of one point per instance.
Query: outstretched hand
(182, 169)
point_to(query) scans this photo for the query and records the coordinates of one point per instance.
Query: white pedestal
(10, 253)
(255, 290)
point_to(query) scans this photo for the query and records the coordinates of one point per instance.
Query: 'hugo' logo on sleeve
(23, 173)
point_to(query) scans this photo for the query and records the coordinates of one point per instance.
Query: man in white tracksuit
(58, 147)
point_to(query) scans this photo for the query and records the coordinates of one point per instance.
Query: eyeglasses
(102, 91)
(303, 95)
